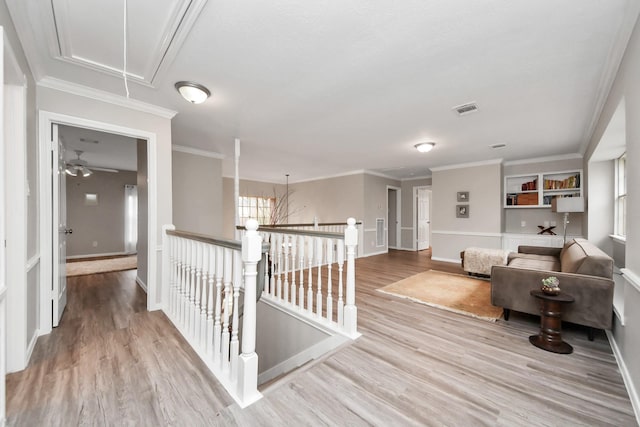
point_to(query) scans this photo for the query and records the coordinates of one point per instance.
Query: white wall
(197, 193)
(601, 217)
(626, 338)
(57, 101)
(375, 206)
(450, 234)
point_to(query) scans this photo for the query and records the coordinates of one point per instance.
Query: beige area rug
(80, 268)
(453, 292)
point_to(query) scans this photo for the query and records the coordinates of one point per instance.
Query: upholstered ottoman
(480, 260)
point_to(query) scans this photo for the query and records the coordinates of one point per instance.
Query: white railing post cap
(351, 233)
(251, 242)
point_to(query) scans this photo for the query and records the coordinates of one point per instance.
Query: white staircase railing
(307, 274)
(202, 282)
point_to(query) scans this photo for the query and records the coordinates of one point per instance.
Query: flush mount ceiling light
(193, 92)
(425, 147)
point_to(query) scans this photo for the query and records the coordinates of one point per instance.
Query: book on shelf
(570, 182)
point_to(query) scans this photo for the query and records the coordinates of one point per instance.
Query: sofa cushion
(596, 262)
(514, 255)
(536, 264)
(571, 258)
(566, 246)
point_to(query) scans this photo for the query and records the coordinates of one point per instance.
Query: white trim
(33, 262)
(141, 284)
(416, 178)
(467, 165)
(570, 156)
(610, 70)
(406, 228)
(381, 175)
(111, 98)
(100, 255)
(32, 344)
(197, 152)
(468, 233)
(631, 278)
(619, 239)
(455, 261)
(374, 253)
(338, 175)
(626, 376)
(45, 121)
(370, 230)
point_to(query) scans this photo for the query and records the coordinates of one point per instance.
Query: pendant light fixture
(193, 92)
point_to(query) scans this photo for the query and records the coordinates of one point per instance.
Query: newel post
(350, 309)
(166, 266)
(248, 366)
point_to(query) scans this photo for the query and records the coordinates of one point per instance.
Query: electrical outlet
(523, 223)
(553, 223)
(94, 244)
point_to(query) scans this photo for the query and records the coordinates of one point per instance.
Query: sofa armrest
(593, 305)
(539, 250)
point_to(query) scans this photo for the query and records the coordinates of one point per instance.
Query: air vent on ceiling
(497, 146)
(466, 108)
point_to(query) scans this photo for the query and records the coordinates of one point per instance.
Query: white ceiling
(315, 89)
(99, 149)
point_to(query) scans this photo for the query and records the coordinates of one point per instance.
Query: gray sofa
(585, 272)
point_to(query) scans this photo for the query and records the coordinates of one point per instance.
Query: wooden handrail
(310, 224)
(225, 243)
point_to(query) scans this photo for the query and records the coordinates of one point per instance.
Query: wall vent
(497, 146)
(464, 109)
(380, 232)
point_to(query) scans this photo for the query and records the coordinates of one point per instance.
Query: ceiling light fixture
(193, 92)
(425, 147)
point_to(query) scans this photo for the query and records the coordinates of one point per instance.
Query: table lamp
(567, 205)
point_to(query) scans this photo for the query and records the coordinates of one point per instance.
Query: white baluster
(310, 242)
(279, 267)
(340, 305)
(234, 347)
(227, 307)
(187, 281)
(301, 289)
(319, 247)
(274, 261)
(197, 293)
(294, 247)
(192, 289)
(329, 262)
(204, 296)
(217, 326)
(350, 309)
(211, 254)
(285, 249)
(175, 286)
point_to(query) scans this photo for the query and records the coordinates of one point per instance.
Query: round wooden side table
(550, 338)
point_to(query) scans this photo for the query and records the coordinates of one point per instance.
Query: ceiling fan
(75, 166)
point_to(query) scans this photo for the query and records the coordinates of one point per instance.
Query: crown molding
(610, 70)
(466, 165)
(197, 152)
(416, 178)
(100, 95)
(339, 175)
(570, 156)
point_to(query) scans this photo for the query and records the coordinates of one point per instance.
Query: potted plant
(551, 285)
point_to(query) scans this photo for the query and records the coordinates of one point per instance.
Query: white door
(60, 230)
(3, 289)
(423, 201)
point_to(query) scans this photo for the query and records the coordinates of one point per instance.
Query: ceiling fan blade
(96, 168)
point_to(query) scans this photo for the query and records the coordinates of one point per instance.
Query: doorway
(422, 215)
(50, 205)
(394, 240)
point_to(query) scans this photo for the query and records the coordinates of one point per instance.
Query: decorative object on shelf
(546, 229)
(463, 196)
(566, 205)
(462, 211)
(530, 186)
(551, 285)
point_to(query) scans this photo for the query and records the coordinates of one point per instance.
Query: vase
(551, 290)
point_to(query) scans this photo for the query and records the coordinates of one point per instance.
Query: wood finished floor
(113, 363)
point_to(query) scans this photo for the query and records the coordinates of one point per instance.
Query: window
(621, 196)
(260, 208)
(130, 218)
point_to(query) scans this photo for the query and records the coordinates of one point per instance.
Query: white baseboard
(99, 255)
(626, 376)
(31, 346)
(141, 284)
(301, 358)
(374, 254)
(435, 258)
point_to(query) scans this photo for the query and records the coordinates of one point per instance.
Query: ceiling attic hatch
(464, 109)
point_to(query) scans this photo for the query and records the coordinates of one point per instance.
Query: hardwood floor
(113, 363)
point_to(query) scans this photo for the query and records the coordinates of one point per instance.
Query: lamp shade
(567, 204)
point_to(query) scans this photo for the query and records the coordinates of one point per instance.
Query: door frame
(398, 225)
(46, 119)
(415, 214)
